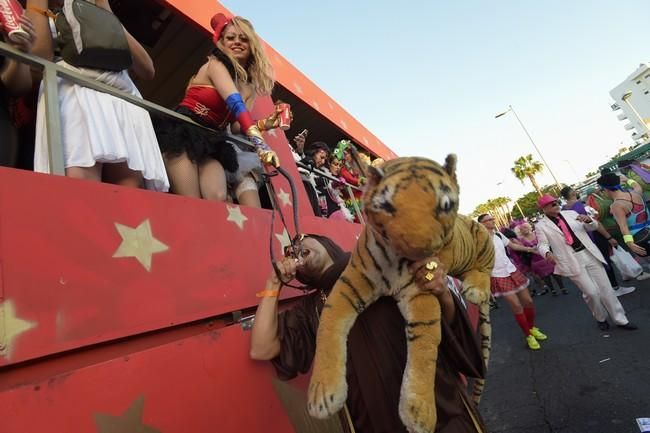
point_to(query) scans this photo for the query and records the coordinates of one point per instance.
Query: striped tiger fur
(411, 208)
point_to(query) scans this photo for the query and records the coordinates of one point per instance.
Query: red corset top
(207, 104)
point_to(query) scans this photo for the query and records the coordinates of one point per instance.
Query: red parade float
(127, 310)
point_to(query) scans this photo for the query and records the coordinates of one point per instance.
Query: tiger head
(412, 204)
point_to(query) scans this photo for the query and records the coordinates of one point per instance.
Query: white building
(632, 101)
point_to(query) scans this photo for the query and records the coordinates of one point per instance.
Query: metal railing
(52, 71)
(348, 187)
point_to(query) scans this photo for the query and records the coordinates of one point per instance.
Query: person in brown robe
(376, 345)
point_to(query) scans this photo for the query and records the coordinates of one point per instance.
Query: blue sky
(427, 77)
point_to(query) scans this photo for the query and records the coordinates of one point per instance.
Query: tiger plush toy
(411, 207)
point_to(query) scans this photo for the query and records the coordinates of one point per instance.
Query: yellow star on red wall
(129, 422)
(11, 326)
(139, 242)
(285, 197)
(236, 216)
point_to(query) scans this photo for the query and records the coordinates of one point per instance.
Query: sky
(428, 77)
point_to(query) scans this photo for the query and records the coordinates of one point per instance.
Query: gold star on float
(139, 243)
(284, 197)
(11, 327)
(129, 422)
(236, 216)
(284, 239)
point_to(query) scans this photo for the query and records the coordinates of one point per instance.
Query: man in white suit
(563, 240)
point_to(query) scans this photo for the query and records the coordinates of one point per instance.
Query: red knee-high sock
(523, 323)
(530, 315)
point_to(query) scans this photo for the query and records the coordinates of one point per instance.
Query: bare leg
(247, 194)
(212, 180)
(183, 176)
(93, 173)
(513, 301)
(120, 174)
(524, 298)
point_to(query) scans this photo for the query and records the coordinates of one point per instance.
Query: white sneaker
(624, 290)
(644, 276)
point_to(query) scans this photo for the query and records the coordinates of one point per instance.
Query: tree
(527, 167)
(497, 207)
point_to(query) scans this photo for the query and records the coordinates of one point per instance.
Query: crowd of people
(108, 139)
(568, 241)
(334, 178)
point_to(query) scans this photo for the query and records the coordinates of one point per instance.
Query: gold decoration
(269, 157)
(285, 197)
(432, 266)
(236, 216)
(428, 276)
(139, 243)
(129, 422)
(11, 326)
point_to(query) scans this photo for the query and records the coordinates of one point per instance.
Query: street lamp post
(531, 141)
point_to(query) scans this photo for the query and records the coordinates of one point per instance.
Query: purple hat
(544, 200)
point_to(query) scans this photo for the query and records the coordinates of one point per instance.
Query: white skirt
(97, 127)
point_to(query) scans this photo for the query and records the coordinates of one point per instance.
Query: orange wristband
(44, 12)
(268, 294)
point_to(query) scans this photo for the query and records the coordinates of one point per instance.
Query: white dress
(97, 127)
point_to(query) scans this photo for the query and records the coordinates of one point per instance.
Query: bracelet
(628, 239)
(608, 238)
(44, 12)
(268, 293)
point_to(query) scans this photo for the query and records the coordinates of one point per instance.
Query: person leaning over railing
(331, 191)
(15, 80)
(104, 138)
(202, 163)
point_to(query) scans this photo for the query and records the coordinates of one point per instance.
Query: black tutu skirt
(176, 137)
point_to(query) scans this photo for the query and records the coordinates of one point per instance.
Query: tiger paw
(476, 296)
(326, 397)
(419, 414)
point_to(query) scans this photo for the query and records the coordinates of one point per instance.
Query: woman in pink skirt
(510, 284)
(536, 263)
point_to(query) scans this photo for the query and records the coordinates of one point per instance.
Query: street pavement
(583, 380)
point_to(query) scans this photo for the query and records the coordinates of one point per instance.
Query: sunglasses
(295, 250)
(553, 203)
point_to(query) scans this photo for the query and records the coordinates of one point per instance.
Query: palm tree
(502, 202)
(527, 167)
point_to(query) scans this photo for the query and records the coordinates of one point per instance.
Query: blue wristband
(235, 104)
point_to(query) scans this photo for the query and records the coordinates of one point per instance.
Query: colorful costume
(204, 105)
(351, 176)
(506, 279)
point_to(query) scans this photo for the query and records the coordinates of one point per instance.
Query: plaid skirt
(514, 283)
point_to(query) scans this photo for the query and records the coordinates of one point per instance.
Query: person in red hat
(563, 240)
(202, 163)
(509, 283)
